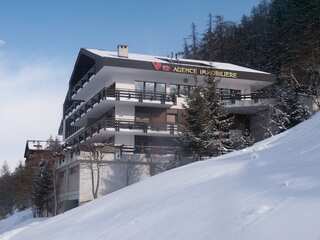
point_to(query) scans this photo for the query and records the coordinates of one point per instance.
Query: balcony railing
(248, 99)
(73, 106)
(86, 78)
(125, 125)
(251, 96)
(121, 95)
(141, 96)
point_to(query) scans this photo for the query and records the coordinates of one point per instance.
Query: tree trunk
(54, 193)
(92, 179)
(98, 183)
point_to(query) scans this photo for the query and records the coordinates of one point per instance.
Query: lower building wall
(258, 123)
(66, 205)
(114, 175)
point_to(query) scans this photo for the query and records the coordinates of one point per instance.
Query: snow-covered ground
(268, 191)
(17, 222)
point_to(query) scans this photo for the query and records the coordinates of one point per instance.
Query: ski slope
(268, 191)
(17, 222)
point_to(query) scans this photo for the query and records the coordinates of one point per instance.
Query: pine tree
(290, 109)
(207, 124)
(215, 134)
(186, 50)
(293, 107)
(194, 41)
(6, 191)
(194, 123)
(206, 44)
(54, 145)
(5, 170)
(22, 179)
(42, 190)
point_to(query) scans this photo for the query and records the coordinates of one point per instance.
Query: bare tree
(96, 153)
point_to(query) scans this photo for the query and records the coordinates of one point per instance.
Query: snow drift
(268, 191)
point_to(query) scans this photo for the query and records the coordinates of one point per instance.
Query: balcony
(106, 97)
(73, 106)
(83, 81)
(108, 126)
(247, 103)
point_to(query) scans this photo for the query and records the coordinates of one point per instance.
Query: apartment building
(132, 103)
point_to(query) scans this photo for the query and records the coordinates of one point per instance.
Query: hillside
(268, 191)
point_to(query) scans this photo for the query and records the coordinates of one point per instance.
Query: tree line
(279, 36)
(15, 189)
(30, 186)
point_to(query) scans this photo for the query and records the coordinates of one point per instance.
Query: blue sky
(39, 41)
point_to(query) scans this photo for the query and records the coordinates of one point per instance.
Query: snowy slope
(19, 220)
(268, 191)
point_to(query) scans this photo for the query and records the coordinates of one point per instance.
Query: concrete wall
(114, 175)
(120, 139)
(124, 111)
(74, 180)
(67, 182)
(125, 83)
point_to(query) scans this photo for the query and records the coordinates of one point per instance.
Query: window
(227, 91)
(149, 87)
(142, 114)
(160, 87)
(139, 86)
(223, 91)
(171, 119)
(172, 89)
(235, 92)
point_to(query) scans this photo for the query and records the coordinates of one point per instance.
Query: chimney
(123, 50)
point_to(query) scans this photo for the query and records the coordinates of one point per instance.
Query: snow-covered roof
(132, 56)
(182, 61)
(37, 145)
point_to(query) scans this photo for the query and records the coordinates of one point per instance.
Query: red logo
(161, 67)
(157, 66)
(166, 68)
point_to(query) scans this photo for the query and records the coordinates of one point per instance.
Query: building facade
(38, 151)
(39, 154)
(133, 103)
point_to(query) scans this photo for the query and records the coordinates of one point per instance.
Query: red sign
(162, 67)
(158, 66)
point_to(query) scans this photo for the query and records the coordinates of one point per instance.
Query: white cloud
(31, 100)
(2, 42)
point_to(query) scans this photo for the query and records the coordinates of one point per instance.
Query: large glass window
(149, 87)
(139, 86)
(172, 89)
(160, 87)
